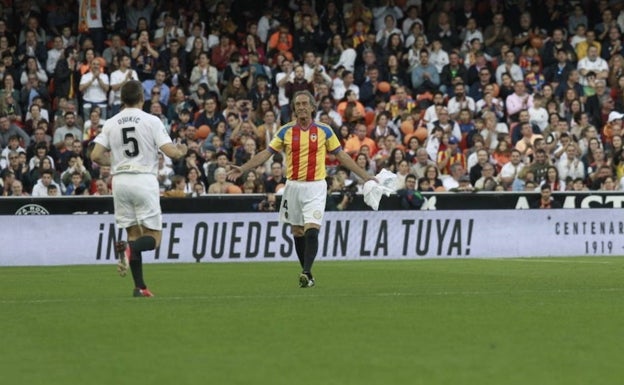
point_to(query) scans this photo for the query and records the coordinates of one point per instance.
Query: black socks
(300, 249)
(143, 243)
(311, 248)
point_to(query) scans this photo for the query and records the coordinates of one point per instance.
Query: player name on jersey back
(128, 119)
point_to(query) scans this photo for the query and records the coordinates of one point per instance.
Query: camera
(350, 190)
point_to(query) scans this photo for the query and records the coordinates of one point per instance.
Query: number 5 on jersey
(130, 143)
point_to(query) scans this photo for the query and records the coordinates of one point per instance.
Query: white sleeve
(161, 136)
(102, 138)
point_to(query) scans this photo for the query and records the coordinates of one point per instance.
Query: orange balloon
(202, 131)
(407, 127)
(537, 42)
(384, 87)
(421, 134)
(234, 189)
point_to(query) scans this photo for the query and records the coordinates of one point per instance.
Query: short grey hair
(306, 93)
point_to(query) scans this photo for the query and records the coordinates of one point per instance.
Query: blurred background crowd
(451, 95)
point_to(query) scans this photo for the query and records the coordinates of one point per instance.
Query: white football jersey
(134, 138)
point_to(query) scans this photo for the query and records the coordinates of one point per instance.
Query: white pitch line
(295, 296)
(537, 260)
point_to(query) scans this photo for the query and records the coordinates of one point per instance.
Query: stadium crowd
(451, 95)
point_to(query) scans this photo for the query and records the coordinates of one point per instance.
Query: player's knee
(312, 233)
(297, 231)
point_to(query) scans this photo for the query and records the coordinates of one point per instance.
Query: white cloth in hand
(373, 191)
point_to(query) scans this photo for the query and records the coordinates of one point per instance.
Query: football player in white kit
(134, 139)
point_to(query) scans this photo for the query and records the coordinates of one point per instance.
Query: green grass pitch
(518, 321)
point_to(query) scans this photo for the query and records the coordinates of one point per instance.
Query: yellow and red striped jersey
(305, 149)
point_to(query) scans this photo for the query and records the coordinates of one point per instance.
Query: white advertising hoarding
(89, 239)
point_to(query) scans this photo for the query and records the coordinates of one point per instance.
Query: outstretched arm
(255, 161)
(349, 163)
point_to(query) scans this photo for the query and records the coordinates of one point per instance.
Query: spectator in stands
(460, 102)
(42, 184)
(557, 72)
(222, 52)
(93, 126)
(204, 73)
(54, 54)
(410, 197)
(94, 86)
(32, 89)
(145, 58)
(496, 35)
(221, 184)
(157, 82)
(32, 47)
(66, 75)
(118, 78)
(75, 166)
(570, 164)
(451, 182)
(70, 127)
(116, 48)
(41, 153)
(512, 169)
(425, 76)
(592, 64)
(452, 73)
(8, 130)
(476, 171)
(546, 200)
(169, 32)
(341, 84)
(178, 185)
(12, 146)
(359, 139)
(556, 43)
(519, 101)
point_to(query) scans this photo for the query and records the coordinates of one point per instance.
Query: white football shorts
(303, 202)
(136, 198)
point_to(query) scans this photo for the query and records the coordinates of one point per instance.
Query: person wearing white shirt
(569, 164)
(410, 19)
(510, 171)
(94, 86)
(281, 79)
(387, 8)
(460, 101)
(490, 103)
(438, 57)
(340, 86)
(312, 66)
(510, 67)
(592, 63)
(446, 124)
(620, 19)
(347, 58)
(431, 114)
(54, 54)
(579, 36)
(538, 115)
(389, 28)
(266, 24)
(196, 33)
(41, 187)
(169, 32)
(326, 106)
(118, 79)
(469, 33)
